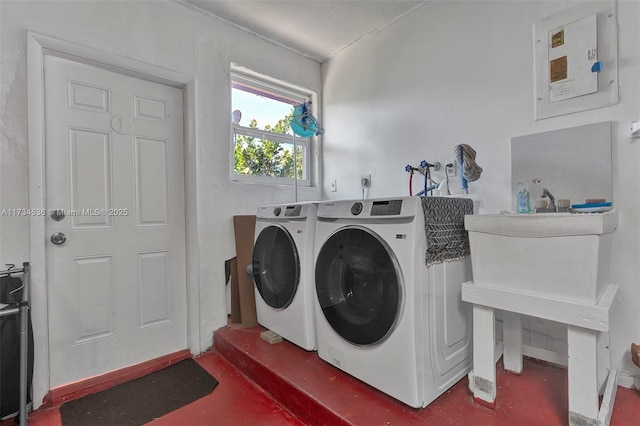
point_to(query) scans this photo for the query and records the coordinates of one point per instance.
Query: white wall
(174, 37)
(462, 72)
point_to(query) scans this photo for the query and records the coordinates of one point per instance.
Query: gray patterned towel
(447, 240)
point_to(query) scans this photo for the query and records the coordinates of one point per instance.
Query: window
(262, 139)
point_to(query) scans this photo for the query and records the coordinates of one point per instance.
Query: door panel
(151, 182)
(153, 288)
(114, 165)
(92, 281)
(91, 177)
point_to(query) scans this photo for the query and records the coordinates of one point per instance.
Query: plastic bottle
(524, 202)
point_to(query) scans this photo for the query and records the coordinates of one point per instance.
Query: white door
(114, 167)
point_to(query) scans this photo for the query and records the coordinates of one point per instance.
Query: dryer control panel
(286, 213)
(293, 211)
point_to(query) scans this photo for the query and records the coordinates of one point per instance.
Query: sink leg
(484, 366)
(512, 339)
(583, 380)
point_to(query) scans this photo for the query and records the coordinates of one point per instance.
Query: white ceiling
(318, 29)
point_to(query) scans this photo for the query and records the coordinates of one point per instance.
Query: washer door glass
(276, 266)
(358, 283)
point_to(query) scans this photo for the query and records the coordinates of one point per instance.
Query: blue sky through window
(265, 110)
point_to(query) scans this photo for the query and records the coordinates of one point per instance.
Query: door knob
(58, 238)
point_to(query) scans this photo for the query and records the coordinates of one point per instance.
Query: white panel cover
(152, 185)
(152, 283)
(150, 109)
(88, 97)
(91, 178)
(93, 281)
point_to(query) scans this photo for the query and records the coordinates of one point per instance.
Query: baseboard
(95, 384)
(628, 380)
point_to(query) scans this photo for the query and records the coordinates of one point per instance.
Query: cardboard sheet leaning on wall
(243, 303)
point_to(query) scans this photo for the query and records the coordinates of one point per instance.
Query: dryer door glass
(276, 266)
(358, 283)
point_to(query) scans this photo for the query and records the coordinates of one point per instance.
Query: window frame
(276, 89)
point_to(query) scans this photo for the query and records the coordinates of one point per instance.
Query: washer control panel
(378, 209)
(386, 208)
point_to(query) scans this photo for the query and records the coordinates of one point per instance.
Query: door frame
(38, 45)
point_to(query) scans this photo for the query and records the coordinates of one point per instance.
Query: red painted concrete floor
(262, 379)
(235, 401)
(320, 394)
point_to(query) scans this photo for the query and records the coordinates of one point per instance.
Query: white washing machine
(283, 271)
(381, 314)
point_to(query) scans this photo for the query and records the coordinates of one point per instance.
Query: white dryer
(381, 314)
(283, 271)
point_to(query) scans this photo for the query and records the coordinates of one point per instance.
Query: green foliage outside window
(263, 157)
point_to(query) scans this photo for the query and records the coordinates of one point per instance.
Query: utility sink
(558, 255)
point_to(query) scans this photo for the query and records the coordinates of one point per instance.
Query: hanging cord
(460, 160)
(295, 168)
(427, 177)
(411, 183)
(305, 125)
(446, 176)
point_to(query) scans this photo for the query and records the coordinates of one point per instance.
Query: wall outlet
(453, 169)
(333, 186)
(365, 181)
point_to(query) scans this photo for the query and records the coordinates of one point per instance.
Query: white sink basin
(559, 255)
(543, 224)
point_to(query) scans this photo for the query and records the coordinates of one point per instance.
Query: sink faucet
(552, 200)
